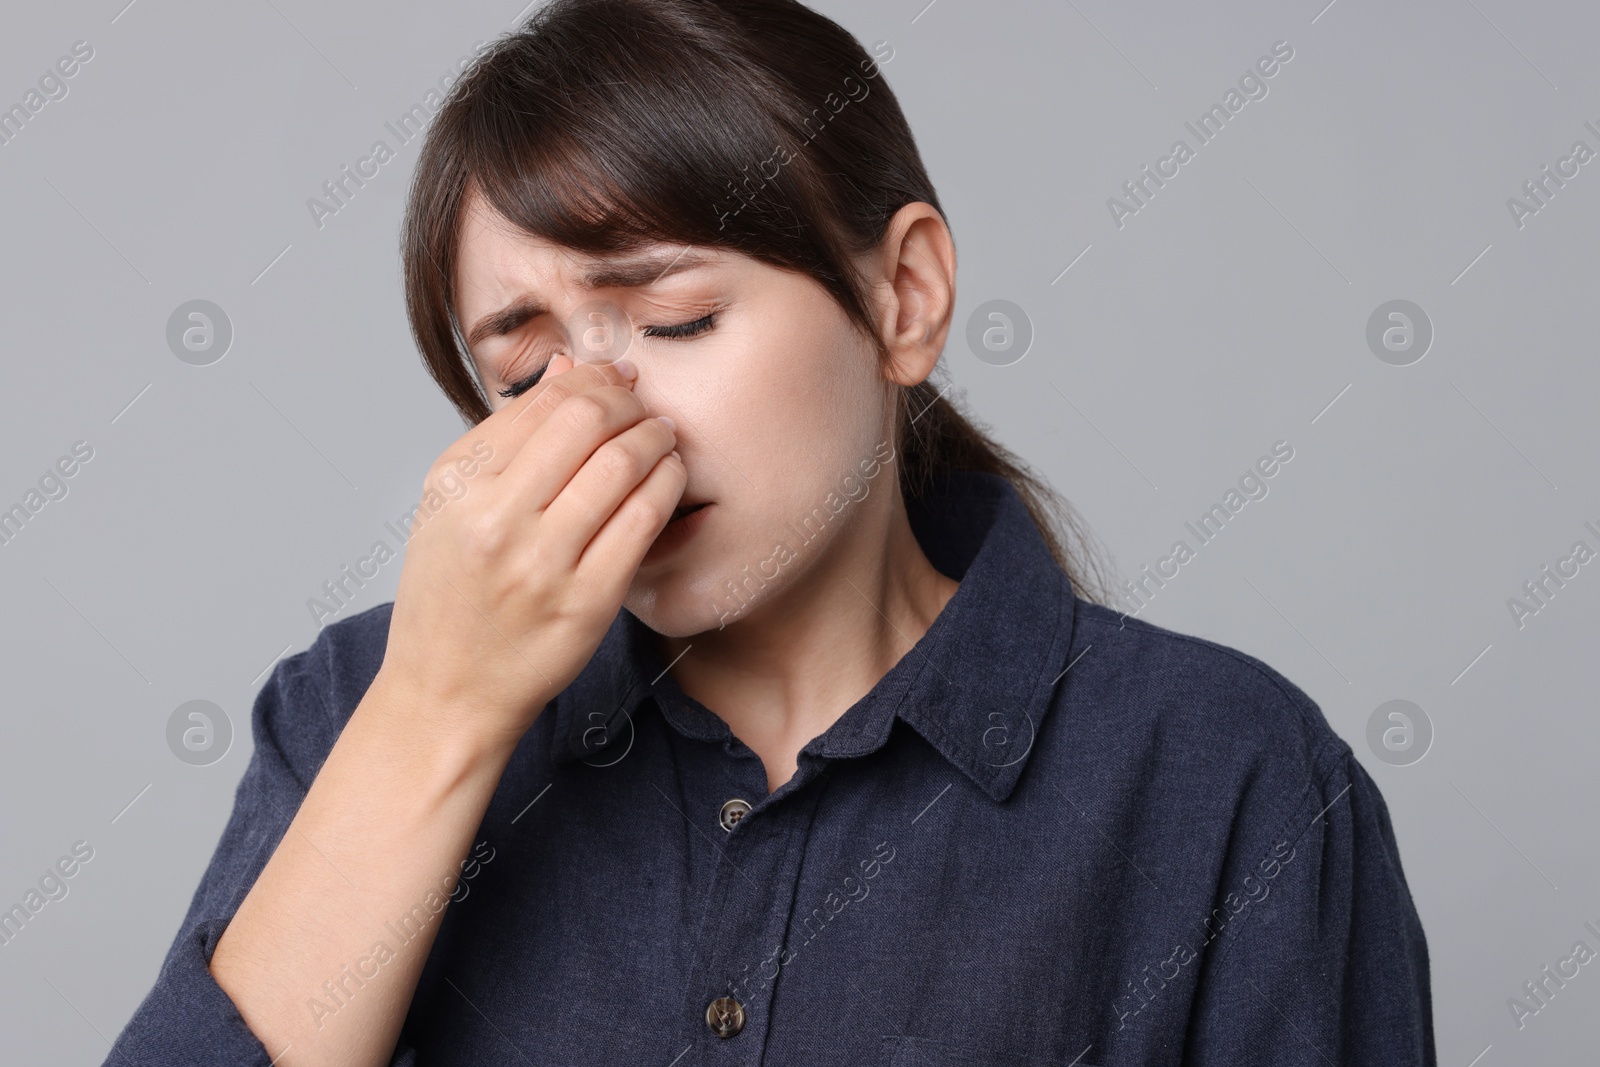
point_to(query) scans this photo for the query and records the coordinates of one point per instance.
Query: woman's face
(782, 414)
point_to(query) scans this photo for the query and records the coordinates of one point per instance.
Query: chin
(676, 603)
(690, 598)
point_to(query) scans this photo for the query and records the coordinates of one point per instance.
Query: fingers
(567, 380)
(508, 430)
(601, 485)
(573, 432)
(614, 554)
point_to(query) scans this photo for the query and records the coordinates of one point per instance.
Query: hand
(508, 588)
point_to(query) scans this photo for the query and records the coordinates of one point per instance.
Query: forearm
(325, 951)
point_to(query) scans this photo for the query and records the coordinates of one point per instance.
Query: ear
(915, 283)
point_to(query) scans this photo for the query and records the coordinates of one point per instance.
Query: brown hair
(601, 125)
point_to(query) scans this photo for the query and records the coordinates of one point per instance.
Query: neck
(792, 664)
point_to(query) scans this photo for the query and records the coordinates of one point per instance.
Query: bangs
(618, 140)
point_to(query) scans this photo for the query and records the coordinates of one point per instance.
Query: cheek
(744, 396)
(804, 407)
(810, 369)
(777, 409)
(846, 398)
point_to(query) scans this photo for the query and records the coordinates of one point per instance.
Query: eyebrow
(626, 273)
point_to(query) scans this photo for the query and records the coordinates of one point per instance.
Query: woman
(738, 703)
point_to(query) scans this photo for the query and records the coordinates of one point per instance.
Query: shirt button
(733, 811)
(725, 1016)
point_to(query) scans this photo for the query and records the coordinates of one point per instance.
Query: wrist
(444, 739)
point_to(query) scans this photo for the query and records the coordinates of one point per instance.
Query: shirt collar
(976, 686)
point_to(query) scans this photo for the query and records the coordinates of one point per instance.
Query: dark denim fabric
(1049, 835)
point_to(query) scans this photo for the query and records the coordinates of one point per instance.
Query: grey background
(1230, 313)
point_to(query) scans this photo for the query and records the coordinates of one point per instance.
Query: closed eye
(679, 331)
(687, 329)
(518, 388)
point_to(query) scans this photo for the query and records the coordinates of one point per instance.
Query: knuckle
(628, 399)
(614, 460)
(486, 534)
(583, 413)
(647, 515)
(439, 466)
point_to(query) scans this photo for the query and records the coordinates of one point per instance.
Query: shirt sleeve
(1320, 958)
(187, 1018)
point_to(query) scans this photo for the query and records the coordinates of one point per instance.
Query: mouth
(686, 509)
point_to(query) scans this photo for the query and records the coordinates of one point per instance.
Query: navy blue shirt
(1050, 835)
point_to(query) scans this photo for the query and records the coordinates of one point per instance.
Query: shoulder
(310, 695)
(1196, 680)
(1215, 719)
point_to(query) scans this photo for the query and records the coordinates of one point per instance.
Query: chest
(880, 910)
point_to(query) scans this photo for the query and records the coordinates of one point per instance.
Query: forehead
(494, 258)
